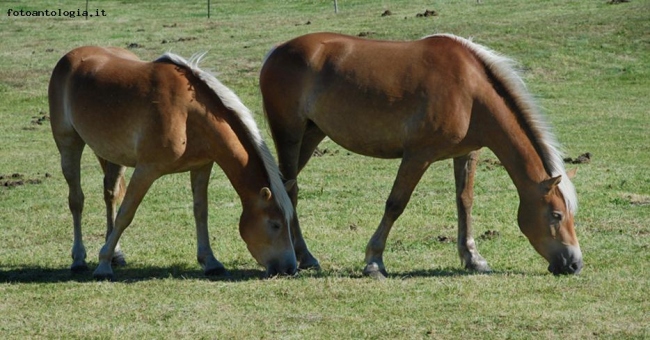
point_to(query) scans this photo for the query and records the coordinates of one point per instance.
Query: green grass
(586, 61)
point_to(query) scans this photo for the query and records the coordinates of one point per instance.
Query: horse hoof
(217, 271)
(373, 270)
(309, 265)
(78, 268)
(307, 261)
(315, 268)
(103, 277)
(480, 267)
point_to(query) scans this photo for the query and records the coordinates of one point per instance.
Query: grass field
(587, 62)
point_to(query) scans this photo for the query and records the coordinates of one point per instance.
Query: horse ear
(551, 183)
(572, 173)
(266, 194)
(290, 184)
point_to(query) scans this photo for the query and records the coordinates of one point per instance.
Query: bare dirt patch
(490, 163)
(324, 152)
(17, 179)
(182, 39)
(41, 119)
(490, 235)
(427, 13)
(487, 235)
(38, 120)
(638, 200)
(446, 239)
(582, 159)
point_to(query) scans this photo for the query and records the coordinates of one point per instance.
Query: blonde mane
(233, 103)
(502, 68)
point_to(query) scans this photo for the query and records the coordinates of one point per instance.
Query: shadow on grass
(128, 274)
(415, 274)
(131, 274)
(453, 272)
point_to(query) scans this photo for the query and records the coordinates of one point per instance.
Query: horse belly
(113, 130)
(108, 141)
(366, 114)
(366, 134)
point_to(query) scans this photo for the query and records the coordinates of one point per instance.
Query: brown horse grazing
(164, 117)
(422, 101)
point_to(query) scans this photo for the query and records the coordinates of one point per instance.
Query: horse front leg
(464, 170)
(114, 190)
(409, 174)
(200, 179)
(140, 183)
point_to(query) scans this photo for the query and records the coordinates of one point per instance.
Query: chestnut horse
(422, 101)
(164, 117)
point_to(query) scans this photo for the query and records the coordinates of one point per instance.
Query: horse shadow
(133, 274)
(128, 274)
(419, 273)
(456, 272)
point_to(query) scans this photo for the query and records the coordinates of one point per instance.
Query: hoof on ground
(308, 261)
(103, 277)
(373, 270)
(480, 266)
(315, 266)
(217, 271)
(78, 268)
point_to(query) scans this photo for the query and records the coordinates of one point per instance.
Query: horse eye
(275, 226)
(557, 216)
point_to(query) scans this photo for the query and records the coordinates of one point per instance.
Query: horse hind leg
(200, 179)
(311, 138)
(114, 190)
(71, 147)
(464, 170)
(295, 143)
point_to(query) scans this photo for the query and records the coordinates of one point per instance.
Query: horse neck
(237, 155)
(516, 151)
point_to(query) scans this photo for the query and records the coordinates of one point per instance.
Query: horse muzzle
(567, 261)
(288, 267)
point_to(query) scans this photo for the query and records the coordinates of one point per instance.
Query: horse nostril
(575, 267)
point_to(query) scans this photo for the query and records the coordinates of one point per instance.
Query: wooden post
(208, 9)
(336, 6)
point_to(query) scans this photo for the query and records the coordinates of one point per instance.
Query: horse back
(118, 105)
(402, 92)
(370, 60)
